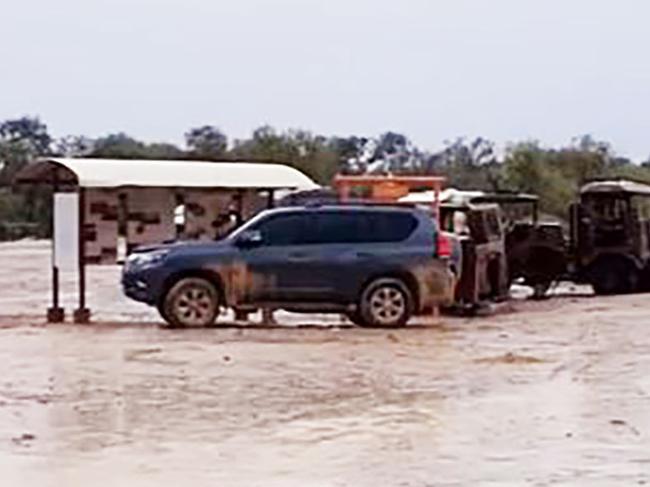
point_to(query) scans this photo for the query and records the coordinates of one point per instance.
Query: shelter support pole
(436, 215)
(82, 314)
(55, 314)
(269, 201)
(436, 202)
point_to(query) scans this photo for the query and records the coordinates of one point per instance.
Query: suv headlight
(146, 259)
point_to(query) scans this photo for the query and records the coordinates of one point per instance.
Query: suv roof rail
(350, 203)
(376, 203)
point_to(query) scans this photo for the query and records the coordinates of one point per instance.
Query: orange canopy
(389, 188)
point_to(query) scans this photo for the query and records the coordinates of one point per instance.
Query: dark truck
(504, 242)
(377, 265)
(610, 236)
(536, 251)
(608, 245)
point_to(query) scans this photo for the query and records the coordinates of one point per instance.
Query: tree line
(553, 173)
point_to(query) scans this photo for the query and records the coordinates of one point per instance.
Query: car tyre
(191, 302)
(355, 318)
(385, 303)
(163, 314)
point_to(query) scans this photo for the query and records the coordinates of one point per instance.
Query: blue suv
(378, 265)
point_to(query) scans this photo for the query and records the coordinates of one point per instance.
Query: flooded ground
(551, 393)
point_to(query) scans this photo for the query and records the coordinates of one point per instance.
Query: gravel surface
(546, 393)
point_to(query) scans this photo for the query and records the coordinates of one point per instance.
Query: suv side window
(362, 227)
(287, 229)
(339, 227)
(391, 227)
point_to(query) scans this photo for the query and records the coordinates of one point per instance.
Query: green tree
(531, 169)
(207, 142)
(123, 146)
(74, 146)
(349, 150)
(119, 146)
(469, 164)
(161, 150)
(309, 153)
(23, 140)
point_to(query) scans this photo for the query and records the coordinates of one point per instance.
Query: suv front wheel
(386, 302)
(191, 302)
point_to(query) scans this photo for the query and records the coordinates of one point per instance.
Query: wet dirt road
(553, 393)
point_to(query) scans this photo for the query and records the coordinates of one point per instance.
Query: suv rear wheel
(386, 302)
(191, 301)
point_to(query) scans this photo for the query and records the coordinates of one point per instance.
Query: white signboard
(66, 231)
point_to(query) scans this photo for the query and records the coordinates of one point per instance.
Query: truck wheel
(192, 302)
(615, 277)
(540, 289)
(607, 283)
(385, 302)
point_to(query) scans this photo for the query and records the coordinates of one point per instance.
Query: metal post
(240, 207)
(344, 192)
(82, 314)
(267, 313)
(436, 215)
(436, 202)
(55, 314)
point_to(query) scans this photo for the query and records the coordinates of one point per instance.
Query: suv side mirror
(249, 239)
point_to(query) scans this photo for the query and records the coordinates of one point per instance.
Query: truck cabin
(516, 207)
(481, 221)
(614, 214)
(535, 251)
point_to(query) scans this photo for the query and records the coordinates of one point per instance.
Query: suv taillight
(444, 245)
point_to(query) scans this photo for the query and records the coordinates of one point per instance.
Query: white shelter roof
(112, 173)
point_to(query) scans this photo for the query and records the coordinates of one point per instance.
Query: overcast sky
(433, 69)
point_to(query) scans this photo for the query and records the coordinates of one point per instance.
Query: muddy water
(557, 393)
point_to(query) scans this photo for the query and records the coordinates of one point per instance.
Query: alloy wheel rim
(387, 305)
(194, 306)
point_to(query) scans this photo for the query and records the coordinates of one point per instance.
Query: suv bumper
(140, 286)
(438, 287)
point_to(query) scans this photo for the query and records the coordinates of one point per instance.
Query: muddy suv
(377, 265)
